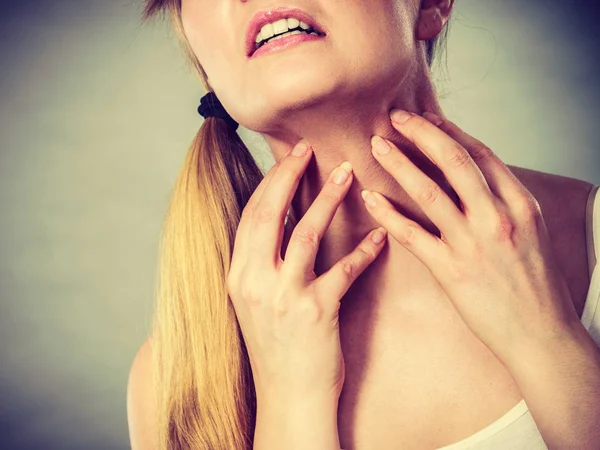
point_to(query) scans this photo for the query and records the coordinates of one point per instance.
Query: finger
(258, 192)
(268, 216)
(434, 202)
(241, 236)
(454, 161)
(304, 242)
(420, 242)
(337, 280)
(503, 183)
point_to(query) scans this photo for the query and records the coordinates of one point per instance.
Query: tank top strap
(592, 228)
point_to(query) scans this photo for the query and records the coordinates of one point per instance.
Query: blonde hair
(202, 376)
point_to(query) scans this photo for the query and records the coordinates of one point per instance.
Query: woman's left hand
(494, 258)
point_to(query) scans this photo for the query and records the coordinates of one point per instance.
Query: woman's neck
(340, 132)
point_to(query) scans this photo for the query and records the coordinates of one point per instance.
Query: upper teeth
(280, 26)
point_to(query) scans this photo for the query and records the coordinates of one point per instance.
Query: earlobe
(433, 16)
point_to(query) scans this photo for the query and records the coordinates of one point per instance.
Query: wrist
(558, 344)
(275, 399)
(559, 377)
(295, 421)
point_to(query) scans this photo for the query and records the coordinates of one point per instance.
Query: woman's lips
(286, 42)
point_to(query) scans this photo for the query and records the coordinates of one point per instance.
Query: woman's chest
(416, 377)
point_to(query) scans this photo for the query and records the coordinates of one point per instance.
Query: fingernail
(368, 198)
(342, 172)
(433, 118)
(400, 116)
(379, 235)
(300, 149)
(380, 145)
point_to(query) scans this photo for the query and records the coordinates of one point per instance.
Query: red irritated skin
(263, 17)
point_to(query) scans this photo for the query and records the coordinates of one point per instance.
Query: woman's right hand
(288, 316)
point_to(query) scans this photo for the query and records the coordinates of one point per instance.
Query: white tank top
(516, 430)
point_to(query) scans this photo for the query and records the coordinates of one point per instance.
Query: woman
(464, 329)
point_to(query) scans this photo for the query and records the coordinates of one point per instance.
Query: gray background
(96, 116)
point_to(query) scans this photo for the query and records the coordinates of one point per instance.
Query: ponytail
(204, 382)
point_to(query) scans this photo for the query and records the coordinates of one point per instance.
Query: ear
(432, 17)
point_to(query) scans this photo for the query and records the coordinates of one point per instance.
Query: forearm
(299, 423)
(559, 378)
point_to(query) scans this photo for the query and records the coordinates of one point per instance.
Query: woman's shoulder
(545, 183)
(563, 199)
(141, 405)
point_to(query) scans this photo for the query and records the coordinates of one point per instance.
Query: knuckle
(330, 196)
(429, 193)
(281, 307)
(481, 152)
(306, 309)
(457, 156)
(264, 214)
(409, 235)
(366, 252)
(310, 310)
(503, 228)
(306, 235)
(249, 295)
(348, 266)
(528, 209)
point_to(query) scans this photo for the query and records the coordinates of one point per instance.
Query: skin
(337, 103)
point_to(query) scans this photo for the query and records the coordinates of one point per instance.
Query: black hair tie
(210, 106)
